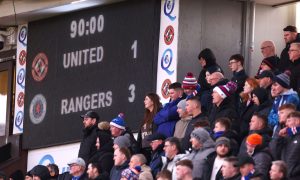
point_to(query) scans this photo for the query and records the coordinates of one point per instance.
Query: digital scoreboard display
(102, 59)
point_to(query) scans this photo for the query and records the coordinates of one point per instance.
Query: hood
(290, 92)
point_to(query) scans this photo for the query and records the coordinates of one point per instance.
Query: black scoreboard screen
(102, 59)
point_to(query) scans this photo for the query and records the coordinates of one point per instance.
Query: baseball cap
(266, 73)
(90, 114)
(79, 161)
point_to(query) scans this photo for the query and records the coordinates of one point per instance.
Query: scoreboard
(102, 59)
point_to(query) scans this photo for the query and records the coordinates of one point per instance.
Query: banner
(59, 155)
(167, 53)
(20, 78)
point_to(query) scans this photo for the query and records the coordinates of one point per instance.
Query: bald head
(268, 49)
(214, 78)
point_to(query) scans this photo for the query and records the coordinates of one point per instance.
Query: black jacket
(226, 109)
(263, 160)
(87, 145)
(116, 171)
(285, 62)
(290, 148)
(264, 108)
(266, 133)
(239, 78)
(245, 117)
(295, 75)
(208, 167)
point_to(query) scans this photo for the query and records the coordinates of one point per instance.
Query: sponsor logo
(169, 35)
(166, 61)
(23, 35)
(20, 99)
(168, 9)
(21, 78)
(47, 159)
(165, 88)
(22, 57)
(37, 110)
(39, 67)
(19, 120)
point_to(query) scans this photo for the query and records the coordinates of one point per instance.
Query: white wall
(269, 22)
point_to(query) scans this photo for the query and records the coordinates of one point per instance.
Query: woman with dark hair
(152, 106)
(207, 60)
(261, 100)
(246, 106)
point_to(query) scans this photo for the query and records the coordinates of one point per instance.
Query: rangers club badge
(37, 110)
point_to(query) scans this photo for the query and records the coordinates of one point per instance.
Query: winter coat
(264, 108)
(185, 142)
(289, 96)
(263, 160)
(285, 62)
(156, 161)
(166, 118)
(295, 75)
(245, 117)
(239, 78)
(198, 157)
(266, 135)
(205, 91)
(289, 148)
(116, 171)
(171, 166)
(87, 145)
(225, 109)
(208, 167)
(134, 148)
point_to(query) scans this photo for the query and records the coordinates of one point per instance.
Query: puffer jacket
(198, 157)
(289, 96)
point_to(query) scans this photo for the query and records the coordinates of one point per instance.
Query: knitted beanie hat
(189, 81)
(182, 104)
(122, 141)
(254, 139)
(271, 62)
(283, 79)
(223, 140)
(118, 122)
(226, 90)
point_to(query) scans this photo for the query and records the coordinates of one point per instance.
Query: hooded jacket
(105, 154)
(198, 156)
(289, 96)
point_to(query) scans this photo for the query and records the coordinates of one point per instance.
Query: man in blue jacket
(167, 117)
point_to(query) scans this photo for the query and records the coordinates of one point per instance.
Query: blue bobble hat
(118, 122)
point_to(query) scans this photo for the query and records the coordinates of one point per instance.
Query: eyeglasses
(262, 48)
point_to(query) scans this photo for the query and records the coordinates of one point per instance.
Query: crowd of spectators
(213, 127)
